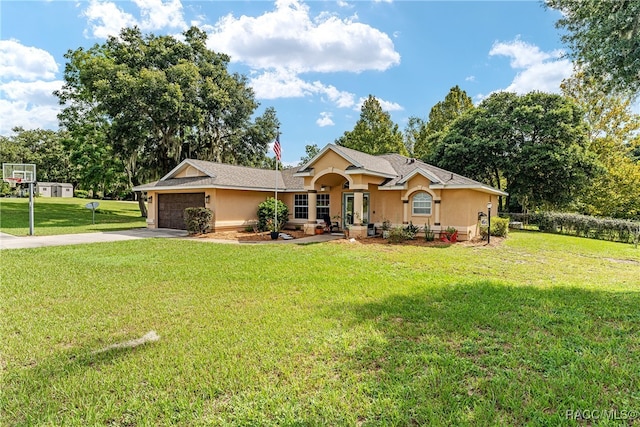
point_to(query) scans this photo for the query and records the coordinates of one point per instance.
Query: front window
(322, 206)
(300, 206)
(421, 204)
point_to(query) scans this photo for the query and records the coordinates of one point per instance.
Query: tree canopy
(613, 132)
(375, 132)
(45, 149)
(604, 38)
(156, 100)
(441, 116)
(534, 146)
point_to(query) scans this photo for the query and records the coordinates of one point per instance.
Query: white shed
(54, 189)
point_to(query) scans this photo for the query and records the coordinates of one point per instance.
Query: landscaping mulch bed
(418, 241)
(246, 236)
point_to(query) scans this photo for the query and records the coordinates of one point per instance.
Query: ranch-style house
(353, 188)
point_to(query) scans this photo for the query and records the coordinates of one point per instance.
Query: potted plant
(319, 229)
(386, 227)
(273, 229)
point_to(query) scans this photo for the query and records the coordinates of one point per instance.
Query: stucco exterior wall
(385, 205)
(330, 160)
(188, 172)
(237, 208)
(459, 209)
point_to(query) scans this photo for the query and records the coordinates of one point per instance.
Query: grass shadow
(41, 379)
(485, 354)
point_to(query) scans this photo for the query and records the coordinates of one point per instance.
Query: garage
(171, 208)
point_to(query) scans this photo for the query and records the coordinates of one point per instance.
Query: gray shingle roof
(367, 161)
(405, 166)
(395, 166)
(229, 176)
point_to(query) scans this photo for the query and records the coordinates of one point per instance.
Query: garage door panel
(171, 208)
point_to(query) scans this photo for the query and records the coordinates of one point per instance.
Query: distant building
(54, 189)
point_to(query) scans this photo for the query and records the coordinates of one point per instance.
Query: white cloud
(288, 37)
(26, 84)
(470, 79)
(20, 113)
(38, 92)
(325, 119)
(158, 14)
(542, 71)
(283, 83)
(25, 62)
(105, 18)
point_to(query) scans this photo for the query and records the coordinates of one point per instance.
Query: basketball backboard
(19, 173)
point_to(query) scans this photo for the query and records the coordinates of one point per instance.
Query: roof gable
(183, 169)
(360, 162)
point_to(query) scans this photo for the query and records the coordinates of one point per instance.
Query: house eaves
(362, 171)
(480, 187)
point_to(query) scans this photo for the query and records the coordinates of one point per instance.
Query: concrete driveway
(8, 241)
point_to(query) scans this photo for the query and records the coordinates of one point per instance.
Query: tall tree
(44, 148)
(164, 100)
(604, 38)
(412, 134)
(535, 144)
(613, 137)
(310, 152)
(375, 132)
(441, 116)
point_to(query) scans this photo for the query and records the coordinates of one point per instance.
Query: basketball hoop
(13, 182)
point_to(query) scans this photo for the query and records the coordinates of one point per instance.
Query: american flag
(277, 148)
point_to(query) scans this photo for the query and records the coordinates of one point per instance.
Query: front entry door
(348, 208)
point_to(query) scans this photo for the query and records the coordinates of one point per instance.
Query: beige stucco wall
(237, 208)
(459, 208)
(330, 160)
(385, 205)
(188, 172)
(233, 209)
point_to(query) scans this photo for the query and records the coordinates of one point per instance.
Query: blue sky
(314, 61)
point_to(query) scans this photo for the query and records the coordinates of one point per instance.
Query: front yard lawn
(325, 334)
(67, 216)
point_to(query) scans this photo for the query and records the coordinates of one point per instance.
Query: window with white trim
(300, 206)
(322, 206)
(421, 204)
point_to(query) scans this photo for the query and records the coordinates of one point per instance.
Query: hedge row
(617, 230)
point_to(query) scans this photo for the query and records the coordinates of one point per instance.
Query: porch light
(207, 198)
(150, 199)
(323, 188)
(489, 206)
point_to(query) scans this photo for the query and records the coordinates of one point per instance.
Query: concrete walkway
(7, 241)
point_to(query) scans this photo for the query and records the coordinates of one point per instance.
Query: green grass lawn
(324, 334)
(66, 216)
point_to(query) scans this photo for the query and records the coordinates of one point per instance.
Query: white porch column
(405, 212)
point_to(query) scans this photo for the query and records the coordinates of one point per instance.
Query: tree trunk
(141, 204)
